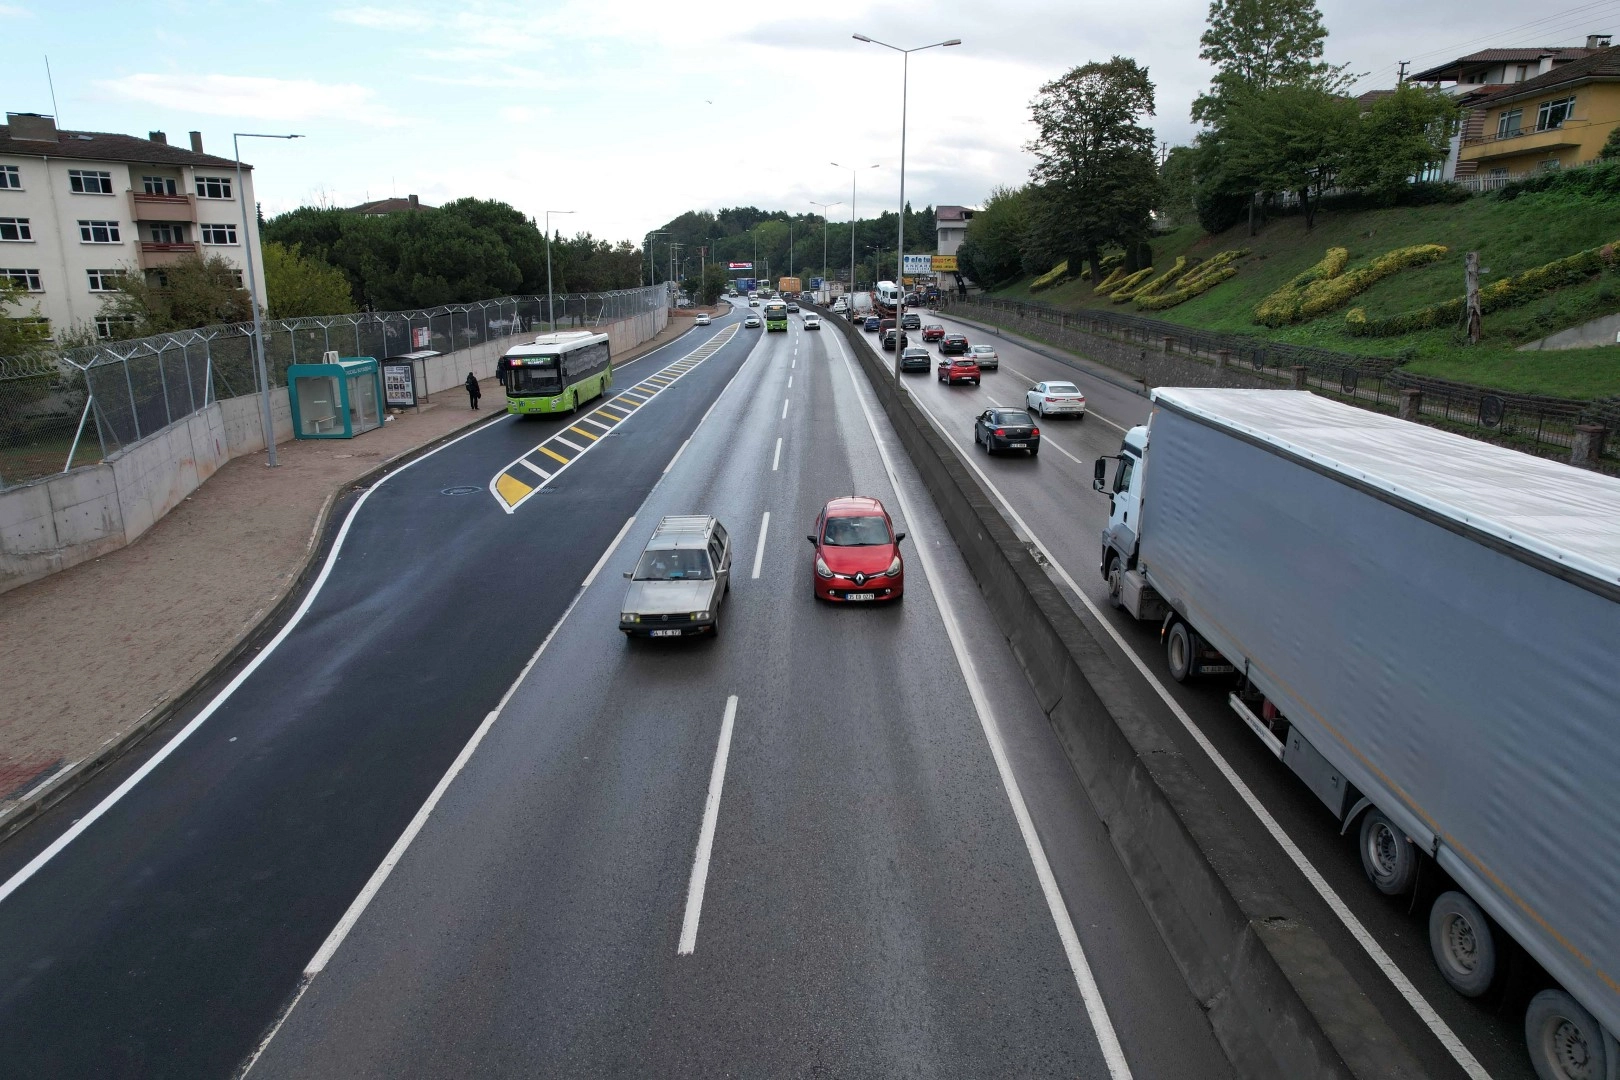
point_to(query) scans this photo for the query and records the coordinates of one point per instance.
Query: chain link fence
(64, 408)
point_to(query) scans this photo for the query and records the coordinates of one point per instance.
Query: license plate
(1216, 669)
(1017, 446)
(666, 633)
(860, 596)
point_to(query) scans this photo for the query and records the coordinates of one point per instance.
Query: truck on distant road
(789, 286)
(1422, 627)
(860, 305)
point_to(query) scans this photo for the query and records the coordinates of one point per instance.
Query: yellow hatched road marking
(511, 490)
(532, 467)
(582, 431)
(605, 411)
(549, 452)
(597, 423)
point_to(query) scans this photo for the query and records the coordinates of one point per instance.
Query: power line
(1556, 23)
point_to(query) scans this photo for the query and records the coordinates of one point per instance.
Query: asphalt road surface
(1053, 498)
(833, 841)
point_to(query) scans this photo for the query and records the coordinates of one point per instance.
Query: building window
(1507, 125)
(85, 182)
(158, 278)
(99, 232)
(1520, 72)
(236, 276)
(16, 229)
(28, 279)
(10, 178)
(213, 187)
(159, 185)
(1550, 165)
(104, 280)
(168, 232)
(1552, 114)
(219, 234)
(108, 326)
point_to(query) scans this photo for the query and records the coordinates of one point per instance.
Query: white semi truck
(1426, 630)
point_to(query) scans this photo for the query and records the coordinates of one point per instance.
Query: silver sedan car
(680, 580)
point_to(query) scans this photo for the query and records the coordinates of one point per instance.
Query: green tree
(1095, 180)
(21, 326)
(299, 285)
(1611, 145)
(1178, 183)
(1398, 138)
(1290, 137)
(188, 293)
(992, 252)
(1258, 44)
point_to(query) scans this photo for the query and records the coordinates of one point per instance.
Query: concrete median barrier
(1277, 998)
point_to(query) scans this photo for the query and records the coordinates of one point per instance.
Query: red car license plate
(666, 633)
(860, 596)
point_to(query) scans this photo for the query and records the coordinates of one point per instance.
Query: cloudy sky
(630, 112)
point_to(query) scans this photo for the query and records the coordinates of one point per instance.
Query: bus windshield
(538, 375)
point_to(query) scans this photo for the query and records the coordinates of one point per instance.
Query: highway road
(1053, 504)
(450, 822)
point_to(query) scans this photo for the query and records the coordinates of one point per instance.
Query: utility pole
(1472, 316)
(1401, 77)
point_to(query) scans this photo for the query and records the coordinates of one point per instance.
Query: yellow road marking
(605, 411)
(549, 452)
(511, 490)
(582, 431)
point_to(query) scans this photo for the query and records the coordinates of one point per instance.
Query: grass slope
(1511, 236)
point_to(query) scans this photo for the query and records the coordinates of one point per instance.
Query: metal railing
(60, 408)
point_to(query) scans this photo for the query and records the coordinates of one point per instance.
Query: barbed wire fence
(61, 408)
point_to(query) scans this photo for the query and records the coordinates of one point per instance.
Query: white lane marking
(1096, 1009)
(784, 408)
(776, 458)
(597, 423)
(1089, 410)
(1046, 440)
(571, 445)
(678, 452)
(759, 548)
(1420, 1005)
(334, 940)
(83, 823)
(790, 382)
(795, 361)
(711, 814)
(537, 470)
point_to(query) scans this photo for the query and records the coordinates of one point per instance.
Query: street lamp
(551, 312)
(260, 370)
(900, 257)
(853, 171)
(825, 206)
(652, 270)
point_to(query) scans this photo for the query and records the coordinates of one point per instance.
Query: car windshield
(855, 532)
(964, 361)
(673, 565)
(1062, 388)
(1012, 417)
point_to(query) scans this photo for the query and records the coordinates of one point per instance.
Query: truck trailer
(1426, 629)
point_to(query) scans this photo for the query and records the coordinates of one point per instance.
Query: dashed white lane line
(711, 815)
(784, 408)
(790, 382)
(776, 458)
(759, 548)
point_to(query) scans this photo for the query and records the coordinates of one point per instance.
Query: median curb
(1276, 998)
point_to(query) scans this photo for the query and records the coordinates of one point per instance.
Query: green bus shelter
(336, 399)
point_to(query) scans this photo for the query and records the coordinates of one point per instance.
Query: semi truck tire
(1564, 1040)
(1463, 943)
(1389, 859)
(1114, 577)
(1178, 650)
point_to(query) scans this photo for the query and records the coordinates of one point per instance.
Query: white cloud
(11, 11)
(254, 97)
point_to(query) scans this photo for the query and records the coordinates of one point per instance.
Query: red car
(933, 332)
(857, 552)
(953, 370)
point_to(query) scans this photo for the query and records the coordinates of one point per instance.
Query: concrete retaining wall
(60, 521)
(1277, 999)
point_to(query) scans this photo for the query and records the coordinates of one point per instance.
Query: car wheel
(1034, 451)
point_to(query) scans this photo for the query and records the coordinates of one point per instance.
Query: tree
(1611, 145)
(299, 285)
(1178, 183)
(1400, 137)
(1258, 44)
(21, 326)
(188, 293)
(992, 251)
(1095, 179)
(1289, 137)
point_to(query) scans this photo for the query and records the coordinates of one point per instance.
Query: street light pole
(652, 270)
(261, 371)
(853, 172)
(825, 206)
(551, 311)
(900, 247)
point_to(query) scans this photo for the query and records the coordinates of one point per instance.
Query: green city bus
(775, 312)
(557, 372)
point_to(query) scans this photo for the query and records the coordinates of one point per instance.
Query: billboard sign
(944, 264)
(399, 383)
(917, 264)
(740, 266)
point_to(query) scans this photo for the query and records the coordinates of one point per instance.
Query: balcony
(155, 254)
(1516, 143)
(144, 207)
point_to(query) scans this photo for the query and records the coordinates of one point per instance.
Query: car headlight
(699, 616)
(894, 567)
(822, 570)
(629, 616)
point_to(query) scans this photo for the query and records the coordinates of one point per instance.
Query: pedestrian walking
(473, 393)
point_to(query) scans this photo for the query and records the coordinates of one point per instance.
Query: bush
(1330, 294)
(1282, 307)
(1195, 282)
(1594, 181)
(1153, 287)
(1111, 282)
(1128, 286)
(1051, 277)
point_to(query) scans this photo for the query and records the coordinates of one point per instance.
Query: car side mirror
(899, 537)
(1099, 474)
(812, 539)
(627, 573)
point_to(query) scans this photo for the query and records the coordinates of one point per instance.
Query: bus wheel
(1463, 944)
(1564, 1040)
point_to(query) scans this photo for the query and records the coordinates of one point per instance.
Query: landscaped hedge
(1282, 306)
(1154, 287)
(1506, 293)
(1111, 282)
(1195, 282)
(1330, 294)
(1051, 277)
(1127, 287)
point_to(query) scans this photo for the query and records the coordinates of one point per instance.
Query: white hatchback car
(812, 323)
(1056, 399)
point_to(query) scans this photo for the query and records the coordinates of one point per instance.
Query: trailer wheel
(1178, 650)
(1388, 857)
(1564, 1040)
(1463, 944)
(1116, 581)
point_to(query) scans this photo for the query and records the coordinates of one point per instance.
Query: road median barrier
(1277, 998)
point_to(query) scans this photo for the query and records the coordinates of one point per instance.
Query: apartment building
(950, 227)
(78, 208)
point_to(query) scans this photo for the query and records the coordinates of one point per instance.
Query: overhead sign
(917, 264)
(740, 266)
(943, 264)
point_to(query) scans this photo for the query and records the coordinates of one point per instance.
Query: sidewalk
(98, 652)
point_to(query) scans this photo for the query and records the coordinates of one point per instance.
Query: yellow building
(1555, 120)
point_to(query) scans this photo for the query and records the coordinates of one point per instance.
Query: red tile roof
(109, 146)
(1451, 69)
(1599, 64)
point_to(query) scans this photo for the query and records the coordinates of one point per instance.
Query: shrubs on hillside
(1111, 282)
(1127, 286)
(1051, 277)
(1282, 306)
(1195, 282)
(1159, 283)
(1327, 287)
